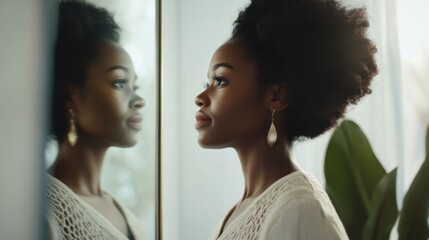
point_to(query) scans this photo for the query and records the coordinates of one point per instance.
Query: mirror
(129, 174)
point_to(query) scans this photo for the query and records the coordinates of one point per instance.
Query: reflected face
(107, 106)
(233, 110)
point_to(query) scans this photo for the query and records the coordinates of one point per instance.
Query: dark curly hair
(318, 49)
(81, 28)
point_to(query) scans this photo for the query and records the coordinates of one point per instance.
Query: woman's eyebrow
(123, 68)
(118, 67)
(218, 65)
(227, 65)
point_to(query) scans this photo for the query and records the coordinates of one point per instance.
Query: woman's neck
(263, 165)
(79, 167)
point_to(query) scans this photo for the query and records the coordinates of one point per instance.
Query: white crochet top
(295, 207)
(70, 217)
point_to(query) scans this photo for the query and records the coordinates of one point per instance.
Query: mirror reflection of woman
(94, 107)
(287, 73)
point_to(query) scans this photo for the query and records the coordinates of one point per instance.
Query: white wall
(194, 179)
(22, 94)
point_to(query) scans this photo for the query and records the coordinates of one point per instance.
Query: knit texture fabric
(70, 217)
(291, 208)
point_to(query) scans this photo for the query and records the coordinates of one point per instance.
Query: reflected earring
(272, 133)
(72, 134)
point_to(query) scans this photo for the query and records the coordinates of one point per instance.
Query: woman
(94, 107)
(287, 73)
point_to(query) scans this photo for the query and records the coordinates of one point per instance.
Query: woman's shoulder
(63, 207)
(57, 193)
(73, 218)
(301, 189)
(60, 207)
(298, 184)
(302, 208)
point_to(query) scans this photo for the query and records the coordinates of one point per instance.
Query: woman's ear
(73, 100)
(277, 97)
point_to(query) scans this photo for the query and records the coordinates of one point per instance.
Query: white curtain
(395, 116)
(414, 59)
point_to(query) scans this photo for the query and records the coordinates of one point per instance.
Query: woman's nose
(200, 100)
(138, 103)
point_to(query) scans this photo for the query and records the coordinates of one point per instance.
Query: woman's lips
(135, 121)
(201, 120)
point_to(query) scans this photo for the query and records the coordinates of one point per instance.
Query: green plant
(413, 222)
(364, 195)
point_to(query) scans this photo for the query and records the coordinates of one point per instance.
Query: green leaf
(384, 209)
(352, 172)
(413, 219)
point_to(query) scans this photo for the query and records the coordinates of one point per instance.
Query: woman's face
(107, 106)
(233, 110)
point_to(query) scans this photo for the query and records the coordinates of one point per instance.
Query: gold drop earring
(272, 133)
(72, 134)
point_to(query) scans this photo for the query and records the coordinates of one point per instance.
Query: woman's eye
(135, 88)
(120, 84)
(219, 82)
